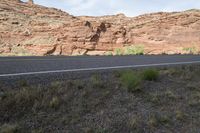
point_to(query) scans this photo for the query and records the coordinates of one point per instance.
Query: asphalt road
(19, 66)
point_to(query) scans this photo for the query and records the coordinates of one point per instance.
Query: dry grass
(101, 104)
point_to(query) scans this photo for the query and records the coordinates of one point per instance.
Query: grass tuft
(23, 83)
(169, 94)
(54, 103)
(97, 81)
(152, 122)
(164, 119)
(56, 85)
(134, 123)
(180, 115)
(150, 75)
(131, 80)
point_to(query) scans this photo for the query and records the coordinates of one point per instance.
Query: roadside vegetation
(134, 50)
(133, 80)
(142, 100)
(191, 50)
(128, 50)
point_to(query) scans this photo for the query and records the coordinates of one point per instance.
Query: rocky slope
(29, 29)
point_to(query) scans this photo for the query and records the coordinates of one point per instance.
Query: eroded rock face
(27, 29)
(30, 2)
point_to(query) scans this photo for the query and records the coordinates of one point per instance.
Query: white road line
(98, 68)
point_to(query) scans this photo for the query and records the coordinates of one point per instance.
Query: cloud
(128, 7)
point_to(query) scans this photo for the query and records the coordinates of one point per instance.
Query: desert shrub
(131, 80)
(150, 74)
(130, 50)
(118, 51)
(190, 50)
(134, 50)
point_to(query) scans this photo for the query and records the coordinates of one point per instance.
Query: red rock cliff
(28, 29)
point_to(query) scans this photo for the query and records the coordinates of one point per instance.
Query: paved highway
(23, 66)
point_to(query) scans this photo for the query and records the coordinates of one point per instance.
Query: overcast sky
(128, 7)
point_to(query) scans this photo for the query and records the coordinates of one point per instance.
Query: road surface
(23, 66)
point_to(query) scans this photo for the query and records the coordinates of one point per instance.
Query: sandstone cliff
(29, 29)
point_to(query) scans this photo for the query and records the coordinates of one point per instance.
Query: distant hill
(29, 29)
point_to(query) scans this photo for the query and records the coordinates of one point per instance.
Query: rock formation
(37, 30)
(17, 1)
(30, 2)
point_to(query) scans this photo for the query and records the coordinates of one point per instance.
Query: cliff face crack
(50, 52)
(95, 38)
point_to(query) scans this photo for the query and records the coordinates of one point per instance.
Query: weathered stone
(120, 41)
(79, 52)
(96, 52)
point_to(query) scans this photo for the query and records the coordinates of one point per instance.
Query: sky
(128, 7)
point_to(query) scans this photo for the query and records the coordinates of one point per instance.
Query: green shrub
(190, 50)
(118, 51)
(131, 80)
(134, 50)
(150, 75)
(130, 50)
